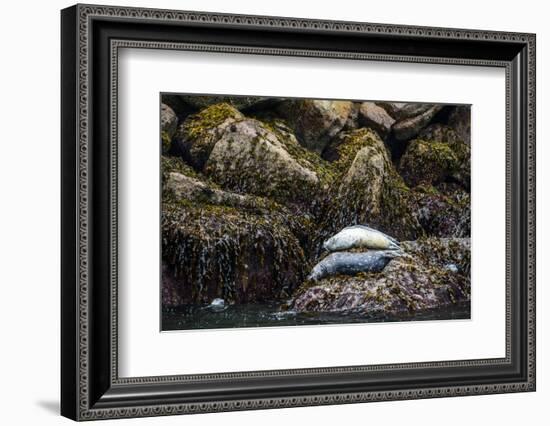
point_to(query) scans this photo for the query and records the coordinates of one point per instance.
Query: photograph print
(294, 211)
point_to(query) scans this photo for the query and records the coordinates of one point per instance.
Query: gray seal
(346, 263)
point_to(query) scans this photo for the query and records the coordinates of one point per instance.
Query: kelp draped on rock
(218, 244)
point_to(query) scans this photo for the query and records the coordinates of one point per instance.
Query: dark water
(270, 315)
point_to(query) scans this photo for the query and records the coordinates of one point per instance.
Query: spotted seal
(352, 263)
(360, 236)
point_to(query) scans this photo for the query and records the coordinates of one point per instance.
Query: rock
(411, 110)
(179, 186)
(375, 117)
(460, 121)
(443, 215)
(432, 161)
(176, 103)
(216, 244)
(419, 280)
(257, 159)
(392, 108)
(197, 135)
(408, 127)
(368, 190)
(315, 122)
(168, 120)
(168, 125)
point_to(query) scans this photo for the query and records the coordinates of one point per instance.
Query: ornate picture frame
(91, 37)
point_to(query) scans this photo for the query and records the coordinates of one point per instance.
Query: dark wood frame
(90, 386)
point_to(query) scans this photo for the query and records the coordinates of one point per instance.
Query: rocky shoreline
(253, 187)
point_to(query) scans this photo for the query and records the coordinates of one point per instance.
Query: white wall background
(29, 213)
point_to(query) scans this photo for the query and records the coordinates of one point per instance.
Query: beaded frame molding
(91, 38)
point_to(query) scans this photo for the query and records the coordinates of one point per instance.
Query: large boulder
(196, 136)
(218, 244)
(433, 273)
(256, 158)
(375, 117)
(315, 122)
(408, 126)
(392, 108)
(368, 190)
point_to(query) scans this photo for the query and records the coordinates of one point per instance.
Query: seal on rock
(360, 236)
(346, 263)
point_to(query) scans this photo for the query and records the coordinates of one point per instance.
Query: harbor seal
(360, 236)
(352, 263)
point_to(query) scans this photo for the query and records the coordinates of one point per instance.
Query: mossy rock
(197, 135)
(433, 273)
(224, 252)
(264, 159)
(368, 190)
(437, 157)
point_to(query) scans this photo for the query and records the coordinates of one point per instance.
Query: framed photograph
(263, 212)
